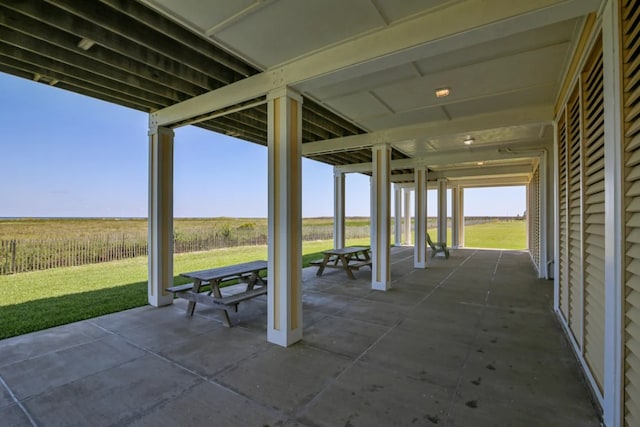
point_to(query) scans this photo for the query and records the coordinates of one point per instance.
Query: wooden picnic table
(248, 272)
(349, 259)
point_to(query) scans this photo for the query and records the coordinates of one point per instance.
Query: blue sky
(67, 155)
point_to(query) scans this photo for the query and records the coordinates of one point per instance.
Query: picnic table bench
(349, 259)
(248, 272)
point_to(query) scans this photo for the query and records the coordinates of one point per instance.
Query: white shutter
(593, 203)
(576, 305)
(563, 257)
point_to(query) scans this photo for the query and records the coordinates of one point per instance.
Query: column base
(284, 338)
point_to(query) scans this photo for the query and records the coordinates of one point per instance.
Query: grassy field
(42, 299)
(41, 228)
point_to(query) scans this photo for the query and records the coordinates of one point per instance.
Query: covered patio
(473, 340)
(445, 94)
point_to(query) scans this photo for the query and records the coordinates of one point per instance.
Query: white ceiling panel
(509, 134)
(366, 82)
(202, 15)
(526, 69)
(286, 29)
(394, 10)
(561, 32)
(359, 105)
(543, 94)
(424, 115)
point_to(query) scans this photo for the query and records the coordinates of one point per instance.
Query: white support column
(420, 247)
(397, 191)
(442, 210)
(160, 216)
(284, 307)
(407, 217)
(455, 216)
(338, 208)
(380, 218)
(614, 220)
(461, 217)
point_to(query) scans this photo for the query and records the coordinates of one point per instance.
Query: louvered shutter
(593, 204)
(575, 216)
(534, 218)
(563, 234)
(631, 113)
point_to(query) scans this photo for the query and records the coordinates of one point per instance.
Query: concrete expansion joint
(180, 366)
(17, 401)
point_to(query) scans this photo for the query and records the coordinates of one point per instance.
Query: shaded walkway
(470, 341)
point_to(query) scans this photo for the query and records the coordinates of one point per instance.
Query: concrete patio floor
(470, 341)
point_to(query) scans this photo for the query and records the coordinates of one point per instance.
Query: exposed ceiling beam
(483, 171)
(502, 152)
(491, 182)
(462, 24)
(523, 116)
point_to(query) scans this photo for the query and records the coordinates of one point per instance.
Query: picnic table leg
(215, 288)
(325, 260)
(345, 264)
(192, 304)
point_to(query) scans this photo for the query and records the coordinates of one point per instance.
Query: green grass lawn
(43, 299)
(497, 235)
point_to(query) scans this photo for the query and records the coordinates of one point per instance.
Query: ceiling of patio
(503, 75)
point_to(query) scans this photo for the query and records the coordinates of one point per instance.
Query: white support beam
(513, 117)
(442, 210)
(397, 191)
(284, 298)
(406, 225)
(492, 182)
(487, 153)
(482, 171)
(462, 24)
(160, 216)
(420, 247)
(338, 209)
(615, 262)
(456, 214)
(380, 219)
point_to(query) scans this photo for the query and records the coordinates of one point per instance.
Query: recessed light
(469, 140)
(480, 163)
(442, 92)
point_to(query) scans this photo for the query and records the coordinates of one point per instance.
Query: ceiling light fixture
(469, 140)
(85, 44)
(480, 163)
(442, 92)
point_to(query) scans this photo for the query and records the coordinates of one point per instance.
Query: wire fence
(20, 256)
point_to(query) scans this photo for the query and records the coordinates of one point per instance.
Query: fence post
(13, 256)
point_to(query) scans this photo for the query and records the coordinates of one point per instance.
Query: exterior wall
(597, 189)
(580, 153)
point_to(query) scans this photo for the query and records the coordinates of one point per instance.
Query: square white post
(160, 239)
(397, 191)
(284, 307)
(614, 220)
(407, 217)
(338, 208)
(456, 213)
(420, 248)
(380, 218)
(442, 210)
